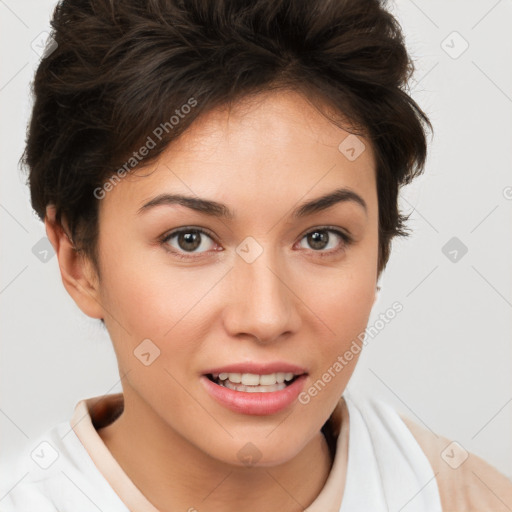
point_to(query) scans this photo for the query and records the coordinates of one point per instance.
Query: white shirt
(70, 469)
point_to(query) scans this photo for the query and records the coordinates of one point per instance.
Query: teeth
(268, 380)
(252, 389)
(253, 380)
(250, 379)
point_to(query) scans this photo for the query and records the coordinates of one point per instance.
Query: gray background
(445, 360)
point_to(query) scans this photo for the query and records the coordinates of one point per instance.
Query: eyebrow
(216, 209)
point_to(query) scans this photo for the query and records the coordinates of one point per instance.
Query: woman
(219, 181)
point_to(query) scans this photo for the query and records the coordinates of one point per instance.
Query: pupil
(318, 239)
(191, 237)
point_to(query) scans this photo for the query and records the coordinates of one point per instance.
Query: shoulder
(50, 473)
(466, 482)
(386, 457)
(27, 478)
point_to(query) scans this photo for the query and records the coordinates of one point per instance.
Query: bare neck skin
(175, 475)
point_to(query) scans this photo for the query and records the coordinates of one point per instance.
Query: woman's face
(271, 285)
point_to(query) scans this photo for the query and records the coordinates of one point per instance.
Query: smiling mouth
(254, 383)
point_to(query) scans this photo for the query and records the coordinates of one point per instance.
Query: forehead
(266, 144)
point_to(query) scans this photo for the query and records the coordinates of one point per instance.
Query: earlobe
(377, 293)
(78, 276)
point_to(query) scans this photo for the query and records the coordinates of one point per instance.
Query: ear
(78, 274)
(377, 293)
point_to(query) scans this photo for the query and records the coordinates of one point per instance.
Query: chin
(259, 451)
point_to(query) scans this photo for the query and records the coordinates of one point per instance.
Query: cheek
(345, 299)
(343, 305)
(345, 313)
(170, 306)
(146, 293)
(337, 354)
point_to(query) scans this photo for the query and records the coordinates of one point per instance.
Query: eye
(191, 240)
(321, 238)
(187, 240)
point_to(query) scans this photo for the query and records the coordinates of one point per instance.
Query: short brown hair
(120, 68)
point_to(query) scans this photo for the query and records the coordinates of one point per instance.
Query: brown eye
(188, 240)
(322, 238)
(318, 239)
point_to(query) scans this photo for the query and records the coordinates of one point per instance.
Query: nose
(262, 304)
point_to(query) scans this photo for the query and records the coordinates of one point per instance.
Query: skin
(265, 157)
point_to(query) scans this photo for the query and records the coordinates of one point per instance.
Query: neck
(174, 475)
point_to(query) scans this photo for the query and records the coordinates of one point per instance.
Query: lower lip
(255, 403)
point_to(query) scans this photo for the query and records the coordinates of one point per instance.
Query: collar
(94, 413)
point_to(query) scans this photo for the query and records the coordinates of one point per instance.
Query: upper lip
(258, 368)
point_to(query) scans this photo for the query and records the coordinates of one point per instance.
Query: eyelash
(346, 241)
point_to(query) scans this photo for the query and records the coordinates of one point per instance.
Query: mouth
(252, 387)
(253, 382)
(255, 393)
